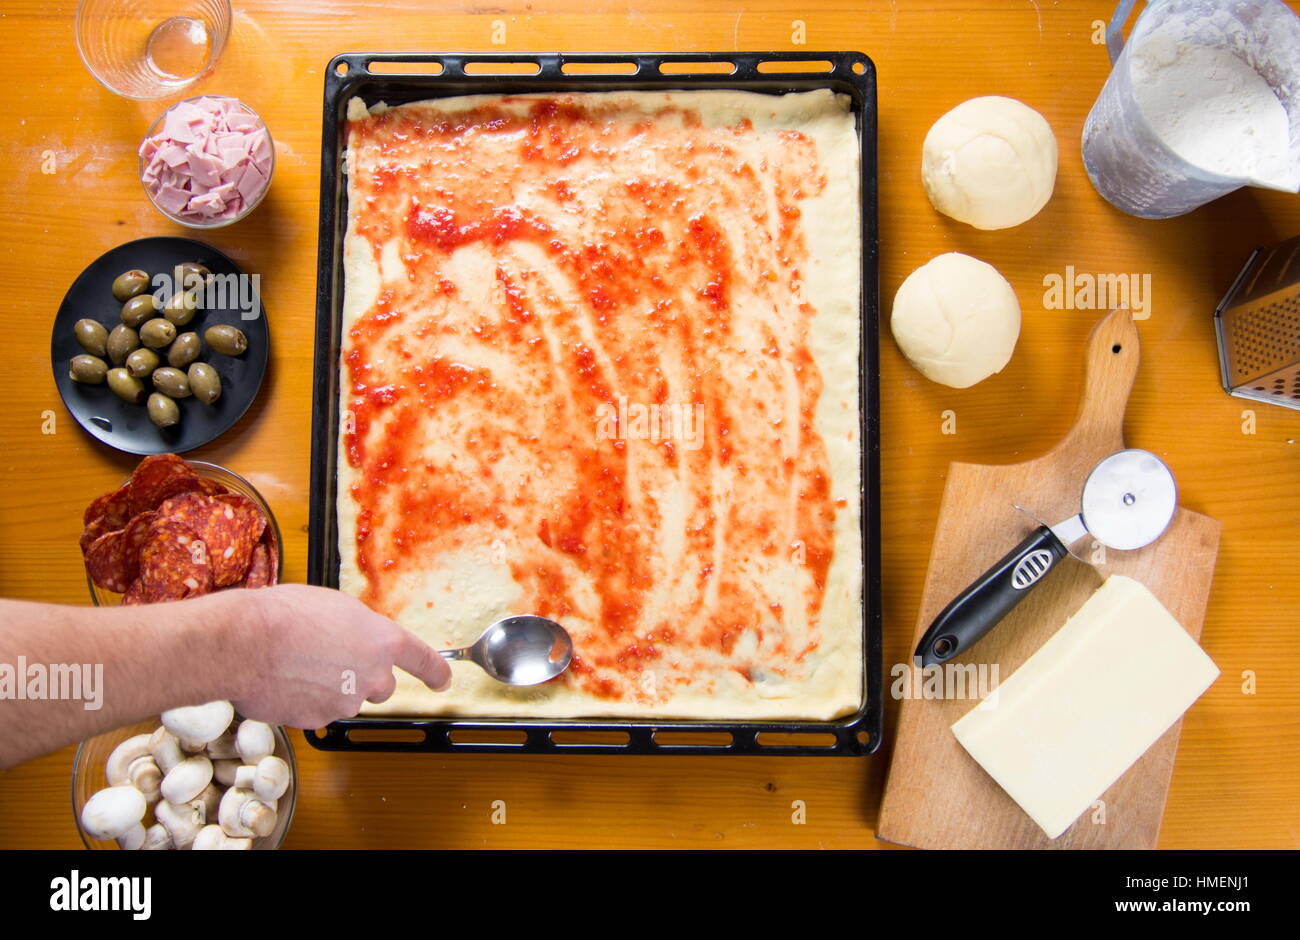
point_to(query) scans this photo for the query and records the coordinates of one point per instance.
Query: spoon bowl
(523, 650)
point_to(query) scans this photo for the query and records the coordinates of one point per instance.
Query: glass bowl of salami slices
(176, 529)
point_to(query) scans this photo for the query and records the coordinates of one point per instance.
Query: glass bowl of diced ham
(207, 161)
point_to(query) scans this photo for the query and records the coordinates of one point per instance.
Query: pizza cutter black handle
(979, 608)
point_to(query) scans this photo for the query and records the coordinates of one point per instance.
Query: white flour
(1214, 111)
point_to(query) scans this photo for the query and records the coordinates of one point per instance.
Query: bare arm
(278, 653)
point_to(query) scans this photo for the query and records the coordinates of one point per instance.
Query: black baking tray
(401, 77)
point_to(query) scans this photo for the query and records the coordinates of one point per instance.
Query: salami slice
(259, 569)
(107, 562)
(241, 502)
(134, 594)
(272, 554)
(114, 506)
(173, 564)
(229, 525)
(133, 539)
(211, 487)
(91, 532)
(158, 477)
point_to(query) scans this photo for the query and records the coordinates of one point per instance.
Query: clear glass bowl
(88, 779)
(232, 481)
(151, 49)
(215, 223)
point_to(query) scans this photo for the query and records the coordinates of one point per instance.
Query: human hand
(313, 655)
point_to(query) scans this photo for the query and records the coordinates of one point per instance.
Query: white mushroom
(207, 802)
(242, 815)
(181, 821)
(187, 779)
(196, 725)
(224, 771)
(113, 812)
(255, 740)
(157, 838)
(212, 837)
(166, 750)
(246, 776)
(133, 839)
(272, 778)
(131, 763)
(223, 748)
(117, 769)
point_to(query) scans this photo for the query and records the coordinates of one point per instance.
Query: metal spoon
(524, 650)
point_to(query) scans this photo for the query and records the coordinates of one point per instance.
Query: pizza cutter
(1128, 501)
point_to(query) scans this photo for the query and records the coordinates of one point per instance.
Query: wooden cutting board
(936, 795)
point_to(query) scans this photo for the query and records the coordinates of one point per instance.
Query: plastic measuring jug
(1127, 160)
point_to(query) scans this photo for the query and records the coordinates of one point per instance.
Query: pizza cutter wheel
(1128, 501)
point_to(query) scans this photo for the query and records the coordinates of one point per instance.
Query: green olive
(184, 350)
(126, 386)
(163, 411)
(91, 336)
(89, 370)
(190, 274)
(179, 310)
(121, 341)
(139, 309)
(204, 382)
(157, 333)
(130, 284)
(142, 362)
(171, 382)
(226, 340)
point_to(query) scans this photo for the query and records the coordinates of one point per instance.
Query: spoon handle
(454, 655)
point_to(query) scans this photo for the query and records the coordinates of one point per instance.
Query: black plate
(397, 79)
(120, 424)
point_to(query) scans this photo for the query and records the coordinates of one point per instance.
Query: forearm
(130, 663)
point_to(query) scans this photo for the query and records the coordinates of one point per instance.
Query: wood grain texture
(937, 795)
(1237, 774)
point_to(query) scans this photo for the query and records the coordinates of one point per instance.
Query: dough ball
(956, 319)
(989, 162)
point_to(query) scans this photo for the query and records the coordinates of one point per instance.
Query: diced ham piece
(211, 158)
(172, 155)
(172, 199)
(251, 182)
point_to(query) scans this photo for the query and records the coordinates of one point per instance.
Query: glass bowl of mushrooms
(201, 778)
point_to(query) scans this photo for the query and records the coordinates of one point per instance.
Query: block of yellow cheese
(1082, 709)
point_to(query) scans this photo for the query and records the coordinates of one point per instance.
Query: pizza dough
(956, 319)
(989, 162)
(600, 363)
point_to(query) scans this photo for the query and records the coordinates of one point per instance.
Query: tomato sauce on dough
(590, 352)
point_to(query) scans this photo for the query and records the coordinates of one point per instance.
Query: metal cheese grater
(1258, 327)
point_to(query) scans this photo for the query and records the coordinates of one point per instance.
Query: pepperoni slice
(272, 554)
(91, 532)
(229, 525)
(259, 569)
(158, 477)
(241, 502)
(134, 594)
(115, 507)
(134, 537)
(107, 562)
(108, 512)
(211, 487)
(173, 564)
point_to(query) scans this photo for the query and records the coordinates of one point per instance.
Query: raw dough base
(484, 593)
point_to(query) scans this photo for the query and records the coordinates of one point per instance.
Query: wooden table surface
(1237, 778)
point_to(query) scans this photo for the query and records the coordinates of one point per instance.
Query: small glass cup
(191, 222)
(103, 597)
(88, 779)
(151, 49)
